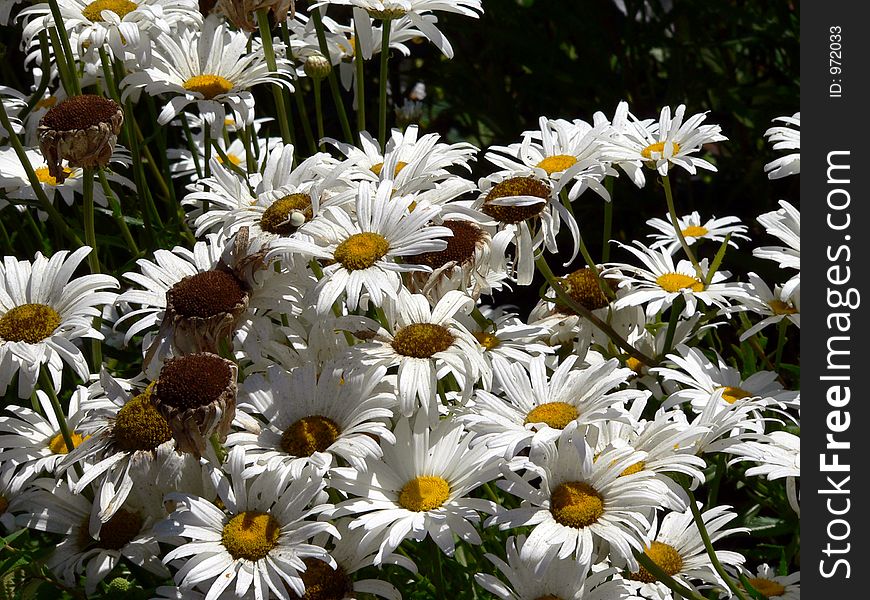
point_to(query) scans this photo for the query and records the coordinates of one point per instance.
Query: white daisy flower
(778, 587)
(182, 162)
(426, 344)
(677, 548)
(661, 282)
(785, 138)
(33, 442)
(209, 67)
(784, 224)
(726, 424)
(778, 454)
(126, 28)
(43, 310)
(774, 305)
(259, 542)
(704, 382)
(562, 579)
(365, 247)
(537, 407)
(331, 411)
(420, 487)
(576, 501)
(52, 507)
(669, 142)
(694, 231)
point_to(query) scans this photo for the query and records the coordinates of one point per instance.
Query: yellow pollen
(557, 163)
(120, 7)
(376, 169)
(634, 364)
(654, 151)
(45, 177)
(488, 340)
(309, 435)
(361, 250)
(768, 587)
(555, 414)
(576, 504)
(251, 535)
(58, 445)
(665, 557)
(781, 308)
(516, 186)
(582, 286)
(139, 425)
(695, 231)
(234, 159)
(632, 469)
(286, 214)
(29, 323)
(424, 493)
(422, 340)
(733, 394)
(674, 282)
(46, 102)
(208, 85)
(229, 122)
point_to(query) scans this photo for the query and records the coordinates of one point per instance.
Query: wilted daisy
(695, 231)
(210, 67)
(785, 138)
(677, 548)
(42, 310)
(419, 487)
(774, 586)
(426, 343)
(365, 247)
(538, 407)
(671, 141)
(701, 380)
(575, 501)
(784, 224)
(333, 412)
(257, 542)
(561, 580)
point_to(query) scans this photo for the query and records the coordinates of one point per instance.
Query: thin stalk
(602, 285)
(333, 80)
(669, 197)
(647, 563)
(297, 95)
(108, 75)
(64, 40)
(116, 213)
(48, 388)
(780, 343)
(225, 161)
(272, 63)
(93, 256)
(191, 145)
(44, 202)
(206, 144)
(544, 268)
(318, 111)
(608, 221)
(382, 83)
(676, 309)
(143, 192)
(43, 81)
(250, 161)
(708, 545)
(360, 82)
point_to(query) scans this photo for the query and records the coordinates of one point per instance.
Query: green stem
(608, 221)
(669, 197)
(48, 388)
(303, 115)
(250, 160)
(382, 83)
(676, 309)
(708, 545)
(191, 145)
(108, 74)
(333, 80)
(93, 256)
(318, 111)
(43, 81)
(360, 82)
(272, 63)
(225, 161)
(780, 343)
(647, 563)
(116, 212)
(544, 268)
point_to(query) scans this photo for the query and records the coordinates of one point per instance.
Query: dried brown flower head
(242, 13)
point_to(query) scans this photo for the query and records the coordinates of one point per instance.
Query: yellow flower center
(58, 445)
(92, 12)
(768, 587)
(654, 151)
(309, 435)
(576, 504)
(424, 493)
(234, 159)
(582, 286)
(251, 535)
(557, 163)
(322, 582)
(733, 394)
(674, 282)
(695, 231)
(118, 531)
(139, 425)
(632, 469)
(516, 186)
(488, 340)
(781, 308)
(46, 102)
(665, 557)
(460, 247)
(361, 250)
(555, 414)
(376, 169)
(634, 364)
(388, 14)
(30, 323)
(422, 340)
(45, 177)
(208, 85)
(286, 214)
